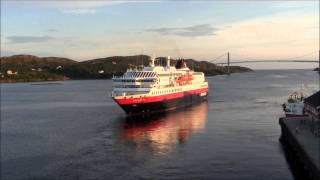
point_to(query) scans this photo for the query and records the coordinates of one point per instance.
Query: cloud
(80, 11)
(190, 31)
(6, 53)
(292, 4)
(29, 39)
(68, 7)
(52, 30)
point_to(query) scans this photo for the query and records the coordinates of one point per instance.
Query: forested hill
(25, 68)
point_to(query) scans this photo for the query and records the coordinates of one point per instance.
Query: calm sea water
(73, 130)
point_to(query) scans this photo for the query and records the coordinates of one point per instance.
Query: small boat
(294, 107)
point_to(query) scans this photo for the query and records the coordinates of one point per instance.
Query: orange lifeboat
(184, 79)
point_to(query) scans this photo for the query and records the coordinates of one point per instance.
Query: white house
(10, 72)
(101, 71)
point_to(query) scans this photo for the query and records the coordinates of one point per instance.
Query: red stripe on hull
(151, 99)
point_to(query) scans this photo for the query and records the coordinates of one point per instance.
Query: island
(29, 68)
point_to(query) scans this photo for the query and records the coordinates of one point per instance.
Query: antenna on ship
(141, 56)
(152, 61)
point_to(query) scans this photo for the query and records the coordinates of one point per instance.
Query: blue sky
(202, 30)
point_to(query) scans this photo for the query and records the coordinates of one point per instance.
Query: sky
(202, 30)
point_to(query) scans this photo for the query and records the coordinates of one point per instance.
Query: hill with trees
(26, 68)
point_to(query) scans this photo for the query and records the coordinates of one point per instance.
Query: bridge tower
(319, 63)
(228, 68)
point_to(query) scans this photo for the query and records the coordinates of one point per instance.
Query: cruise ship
(152, 88)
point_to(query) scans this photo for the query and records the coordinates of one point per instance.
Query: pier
(302, 136)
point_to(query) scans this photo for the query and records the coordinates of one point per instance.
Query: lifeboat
(184, 79)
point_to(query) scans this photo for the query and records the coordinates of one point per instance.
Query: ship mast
(152, 61)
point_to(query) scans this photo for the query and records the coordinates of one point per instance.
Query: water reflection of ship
(162, 131)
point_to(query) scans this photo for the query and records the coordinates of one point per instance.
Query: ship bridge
(134, 82)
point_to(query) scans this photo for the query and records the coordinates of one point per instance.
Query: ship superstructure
(159, 88)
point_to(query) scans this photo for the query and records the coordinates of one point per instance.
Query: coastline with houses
(29, 68)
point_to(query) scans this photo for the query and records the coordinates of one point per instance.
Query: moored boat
(294, 107)
(157, 88)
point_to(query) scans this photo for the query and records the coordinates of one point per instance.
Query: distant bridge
(248, 60)
(266, 61)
